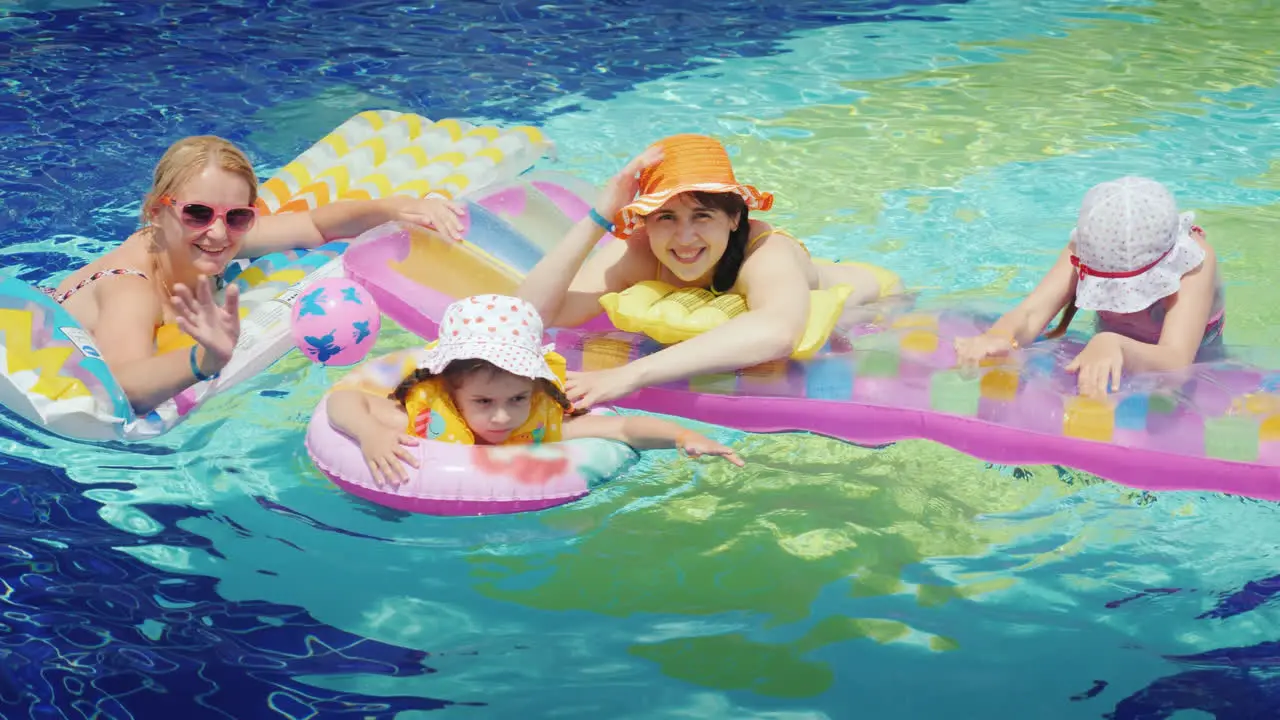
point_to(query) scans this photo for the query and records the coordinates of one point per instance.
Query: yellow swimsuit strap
(775, 231)
(751, 244)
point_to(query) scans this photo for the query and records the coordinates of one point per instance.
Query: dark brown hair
(1068, 313)
(731, 204)
(454, 373)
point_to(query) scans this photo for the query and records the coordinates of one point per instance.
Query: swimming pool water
(214, 573)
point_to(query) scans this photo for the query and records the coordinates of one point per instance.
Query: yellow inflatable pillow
(670, 315)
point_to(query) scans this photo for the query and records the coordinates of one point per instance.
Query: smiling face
(493, 402)
(201, 204)
(204, 220)
(690, 232)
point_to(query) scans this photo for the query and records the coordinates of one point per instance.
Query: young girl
(1147, 271)
(488, 381)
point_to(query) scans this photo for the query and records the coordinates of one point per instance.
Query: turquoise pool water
(214, 573)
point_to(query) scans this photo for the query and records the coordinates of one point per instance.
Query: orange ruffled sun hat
(690, 163)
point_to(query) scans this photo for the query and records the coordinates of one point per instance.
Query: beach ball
(335, 322)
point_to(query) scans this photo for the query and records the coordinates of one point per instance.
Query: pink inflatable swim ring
(456, 479)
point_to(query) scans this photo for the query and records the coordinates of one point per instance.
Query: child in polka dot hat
(504, 331)
(1147, 271)
(488, 380)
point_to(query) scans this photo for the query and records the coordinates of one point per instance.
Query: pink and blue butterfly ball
(335, 322)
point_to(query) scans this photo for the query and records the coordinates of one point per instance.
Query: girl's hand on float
(696, 444)
(622, 188)
(216, 329)
(1098, 366)
(434, 212)
(386, 454)
(972, 350)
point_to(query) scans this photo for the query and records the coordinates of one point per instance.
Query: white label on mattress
(249, 332)
(273, 317)
(288, 296)
(267, 316)
(331, 269)
(82, 341)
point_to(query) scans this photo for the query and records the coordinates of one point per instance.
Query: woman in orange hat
(681, 217)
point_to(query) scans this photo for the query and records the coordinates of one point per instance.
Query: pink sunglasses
(199, 216)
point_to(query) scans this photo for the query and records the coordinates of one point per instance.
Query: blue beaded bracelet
(599, 220)
(195, 367)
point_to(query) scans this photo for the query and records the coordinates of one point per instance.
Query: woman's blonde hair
(186, 158)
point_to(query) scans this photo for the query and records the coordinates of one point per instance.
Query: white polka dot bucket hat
(1131, 246)
(504, 330)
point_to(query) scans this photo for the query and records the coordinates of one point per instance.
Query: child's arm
(646, 433)
(1184, 325)
(1024, 323)
(351, 412)
(378, 425)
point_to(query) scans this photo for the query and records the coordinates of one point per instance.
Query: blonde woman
(197, 218)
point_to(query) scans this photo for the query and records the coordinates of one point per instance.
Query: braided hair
(1067, 314)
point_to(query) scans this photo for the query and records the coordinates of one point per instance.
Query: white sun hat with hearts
(503, 330)
(1131, 246)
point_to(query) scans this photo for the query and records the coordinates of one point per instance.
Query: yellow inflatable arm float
(670, 315)
(434, 416)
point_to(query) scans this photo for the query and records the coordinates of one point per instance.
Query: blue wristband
(598, 219)
(195, 367)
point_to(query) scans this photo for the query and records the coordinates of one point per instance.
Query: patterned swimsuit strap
(62, 297)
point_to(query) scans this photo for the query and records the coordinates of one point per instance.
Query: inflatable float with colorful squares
(1214, 426)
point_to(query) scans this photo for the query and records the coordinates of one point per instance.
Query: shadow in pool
(87, 628)
(766, 542)
(1228, 693)
(1230, 683)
